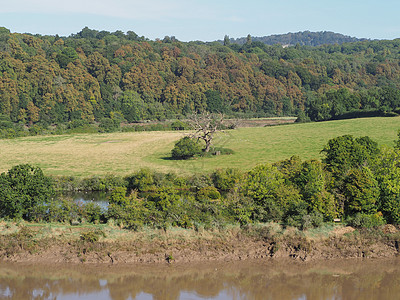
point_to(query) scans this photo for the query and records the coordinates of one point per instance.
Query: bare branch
(205, 125)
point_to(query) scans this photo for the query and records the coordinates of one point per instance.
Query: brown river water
(340, 279)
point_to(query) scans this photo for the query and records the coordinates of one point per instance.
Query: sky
(204, 20)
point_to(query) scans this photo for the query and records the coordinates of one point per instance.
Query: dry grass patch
(125, 153)
(83, 155)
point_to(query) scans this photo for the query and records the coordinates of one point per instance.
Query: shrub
(92, 212)
(208, 193)
(21, 189)
(362, 220)
(199, 181)
(296, 214)
(391, 208)
(226, 179)
(92, 236)
(63, 211)
(143, 180)
(273, 197)
(387, 171)
(76, 124)
(312, 220)
(178, 125)
(397, 146)
(186, 148)
(129, 210)
(239, 208)
(118, 196)
(108, 125)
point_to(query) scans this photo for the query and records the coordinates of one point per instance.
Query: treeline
(356, 181)
(8, 129)
(303, 38)
(98, 76)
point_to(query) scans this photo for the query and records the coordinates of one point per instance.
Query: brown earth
(105, 244)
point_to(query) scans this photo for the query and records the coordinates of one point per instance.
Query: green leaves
(387, 170)
(361, 191)
(313, 184)
(266, 185)
(186, 148)
(262, 182)
(345, 152)
(21, 189)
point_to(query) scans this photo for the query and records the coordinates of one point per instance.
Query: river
(343, 279)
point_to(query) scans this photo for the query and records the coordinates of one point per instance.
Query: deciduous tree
(23, 188)
(205, 126)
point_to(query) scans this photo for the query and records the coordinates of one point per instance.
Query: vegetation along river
(340, 279)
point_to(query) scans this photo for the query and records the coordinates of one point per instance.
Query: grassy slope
(124, 153)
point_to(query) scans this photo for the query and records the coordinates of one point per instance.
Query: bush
(93, 183)
(186, 148)
(92, 212)
(128, 210)
(144, 180)
(63, 211)
(296, 215)
(208, 193)
(226, 179)
(22, 189)
(362, 220)
(238, 208)
(118, 196)
(108, 125)
(312, 220)
(76, 124)
(92, 236)
(273, 196)
(178, 125)
(302, 117)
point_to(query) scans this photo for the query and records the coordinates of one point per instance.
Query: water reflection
(344, 279)
(99, 198)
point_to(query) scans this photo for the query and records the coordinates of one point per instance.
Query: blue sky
(204, 20)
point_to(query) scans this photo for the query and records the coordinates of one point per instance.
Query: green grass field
(125, 153)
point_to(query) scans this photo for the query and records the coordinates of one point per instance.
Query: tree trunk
(208, 144)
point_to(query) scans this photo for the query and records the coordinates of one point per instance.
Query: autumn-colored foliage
(48, 79)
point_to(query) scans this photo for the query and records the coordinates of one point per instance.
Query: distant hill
(303, 38)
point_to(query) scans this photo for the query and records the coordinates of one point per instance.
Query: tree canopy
(23, 188)
(98, 74)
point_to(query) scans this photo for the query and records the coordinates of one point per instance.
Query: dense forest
(303, 38)
(121, 77)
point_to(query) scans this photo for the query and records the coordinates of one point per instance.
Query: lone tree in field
(205, 126)
(186, 148)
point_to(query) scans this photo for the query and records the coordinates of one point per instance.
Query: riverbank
(109, 244)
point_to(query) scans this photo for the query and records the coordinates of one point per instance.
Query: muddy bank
(46, 243)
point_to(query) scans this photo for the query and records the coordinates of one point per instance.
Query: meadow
(124, 153)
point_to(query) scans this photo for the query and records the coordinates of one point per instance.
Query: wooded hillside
(303, 38)
(93, 75)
